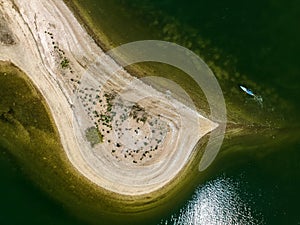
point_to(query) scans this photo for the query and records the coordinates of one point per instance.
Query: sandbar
(117, 131)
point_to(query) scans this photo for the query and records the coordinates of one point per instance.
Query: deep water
(256, 178)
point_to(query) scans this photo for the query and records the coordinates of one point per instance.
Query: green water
(26, 136)
(256, 42)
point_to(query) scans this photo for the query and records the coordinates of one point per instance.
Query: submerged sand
(118, 132)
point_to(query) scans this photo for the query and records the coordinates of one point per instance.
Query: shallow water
(251, 185)
(255, 178)
(257, 44)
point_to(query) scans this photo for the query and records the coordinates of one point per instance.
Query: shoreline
(78, 49)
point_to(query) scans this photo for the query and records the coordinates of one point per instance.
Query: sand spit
(117, 131)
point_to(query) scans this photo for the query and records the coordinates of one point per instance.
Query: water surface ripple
(217, 202)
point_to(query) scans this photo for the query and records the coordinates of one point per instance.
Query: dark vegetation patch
(93, 136)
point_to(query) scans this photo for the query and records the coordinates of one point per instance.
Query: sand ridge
(117, 131)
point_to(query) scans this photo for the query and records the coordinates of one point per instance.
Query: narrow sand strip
(117, 131)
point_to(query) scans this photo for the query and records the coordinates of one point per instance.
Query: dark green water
(256, 175)
(22, 202)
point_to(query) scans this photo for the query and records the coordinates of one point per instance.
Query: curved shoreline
(35, 28)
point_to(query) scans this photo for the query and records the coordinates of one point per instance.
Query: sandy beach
(117, 131)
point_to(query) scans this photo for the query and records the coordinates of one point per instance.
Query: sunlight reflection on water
(216, 203)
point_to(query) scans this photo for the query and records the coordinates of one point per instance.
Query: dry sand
(146, 136)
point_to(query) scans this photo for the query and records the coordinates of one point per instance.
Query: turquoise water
(255, 179)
